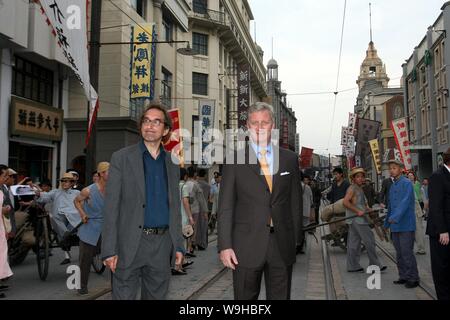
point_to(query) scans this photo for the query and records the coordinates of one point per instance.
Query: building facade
(217, 31)
(286, 121)
(372, 102)
(34, 94)
(427, 96)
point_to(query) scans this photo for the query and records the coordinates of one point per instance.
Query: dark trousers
(277, 277)
(150, 270)
(440, 268)
(87, 253)
(406, 260)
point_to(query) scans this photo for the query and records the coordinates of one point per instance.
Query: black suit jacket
(439, 200)
(246, 205)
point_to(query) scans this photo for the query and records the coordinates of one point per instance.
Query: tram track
(425, 287)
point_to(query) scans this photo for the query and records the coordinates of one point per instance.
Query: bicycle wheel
(42, 248)
(97, 264)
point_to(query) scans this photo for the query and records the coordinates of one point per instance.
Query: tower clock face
(398, 111)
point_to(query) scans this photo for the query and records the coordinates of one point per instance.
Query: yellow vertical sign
(141, 60)
(376, 154)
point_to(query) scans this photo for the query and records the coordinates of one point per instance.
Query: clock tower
(372, 68)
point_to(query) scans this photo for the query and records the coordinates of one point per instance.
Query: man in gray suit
(260, 206)
(142, 226)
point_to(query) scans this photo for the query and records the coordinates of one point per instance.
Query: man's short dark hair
(183, 173)
(46, 183)
(202, 173)
(3, 168)
(191, 172)
(157, 106)
(306, 176)
(338, 170)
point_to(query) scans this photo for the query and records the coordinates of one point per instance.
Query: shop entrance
(31, 161)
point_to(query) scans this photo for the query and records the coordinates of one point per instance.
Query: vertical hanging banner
(344, 136)
(376, 154)
(306, 157)
(142, 65)
(285, 132)
(243, 74)
(68, 22)
(207, 110)
(400, 129)
(174, 142)
(351, 129)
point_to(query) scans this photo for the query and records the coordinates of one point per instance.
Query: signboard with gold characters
(376, 154)
(35, 120)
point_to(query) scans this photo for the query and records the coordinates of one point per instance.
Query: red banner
(306, 157)
(173, 142)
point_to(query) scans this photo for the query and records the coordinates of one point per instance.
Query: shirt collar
(144, 149)
(258, 148)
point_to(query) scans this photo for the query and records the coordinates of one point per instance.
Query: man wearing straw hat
(64, 215)
(359, 231)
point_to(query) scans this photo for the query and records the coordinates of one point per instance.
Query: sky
(306, 40)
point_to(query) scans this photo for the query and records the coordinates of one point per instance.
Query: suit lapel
(137, 166)
(170, 175)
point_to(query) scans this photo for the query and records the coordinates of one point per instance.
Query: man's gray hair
(261, 106)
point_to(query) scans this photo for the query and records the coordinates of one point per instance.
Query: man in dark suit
(142, 217)
(438, 227)
(260, 206)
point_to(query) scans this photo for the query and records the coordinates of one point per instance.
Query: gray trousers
(406, 260)
(358, 233)
(150, 270)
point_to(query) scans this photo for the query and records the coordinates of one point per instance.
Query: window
(200, 83)
(200, 6)
(32, 81)
(372, 71)
(139, 6)
(167, 29)
(166, 88)
(200, 43)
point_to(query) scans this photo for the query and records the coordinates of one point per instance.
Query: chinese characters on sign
(285, 138)
(400, 129)
(143, 61)
(352, 118)
(376, 154)
(207, 124)
(243, 94)
(344, 136)
(73, 42)
(31, 119)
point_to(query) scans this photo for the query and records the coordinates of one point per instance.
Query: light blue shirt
(269, 154)
(62, 203)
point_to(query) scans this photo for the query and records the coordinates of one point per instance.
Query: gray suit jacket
(125, 205)
(246, 205)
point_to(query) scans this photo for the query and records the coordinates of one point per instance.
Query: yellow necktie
(265, 168)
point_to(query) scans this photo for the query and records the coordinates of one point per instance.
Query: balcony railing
(212, 15)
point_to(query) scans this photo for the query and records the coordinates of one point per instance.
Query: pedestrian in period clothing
(438, 228)
(339, 186)
(260, 207)
(90, 204)
(8, 200)
(317, 195)
(214, 198)
(420, 233)
(359, 230)
(76, 185)
(401, 219)
(64, 216)
(369, 192)
(5, 270)
(141, 236)
(308, 211)
(198, 208)
(425, 197)
(202, 234)
(383, 196)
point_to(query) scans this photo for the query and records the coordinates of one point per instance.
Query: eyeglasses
(155, 122)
